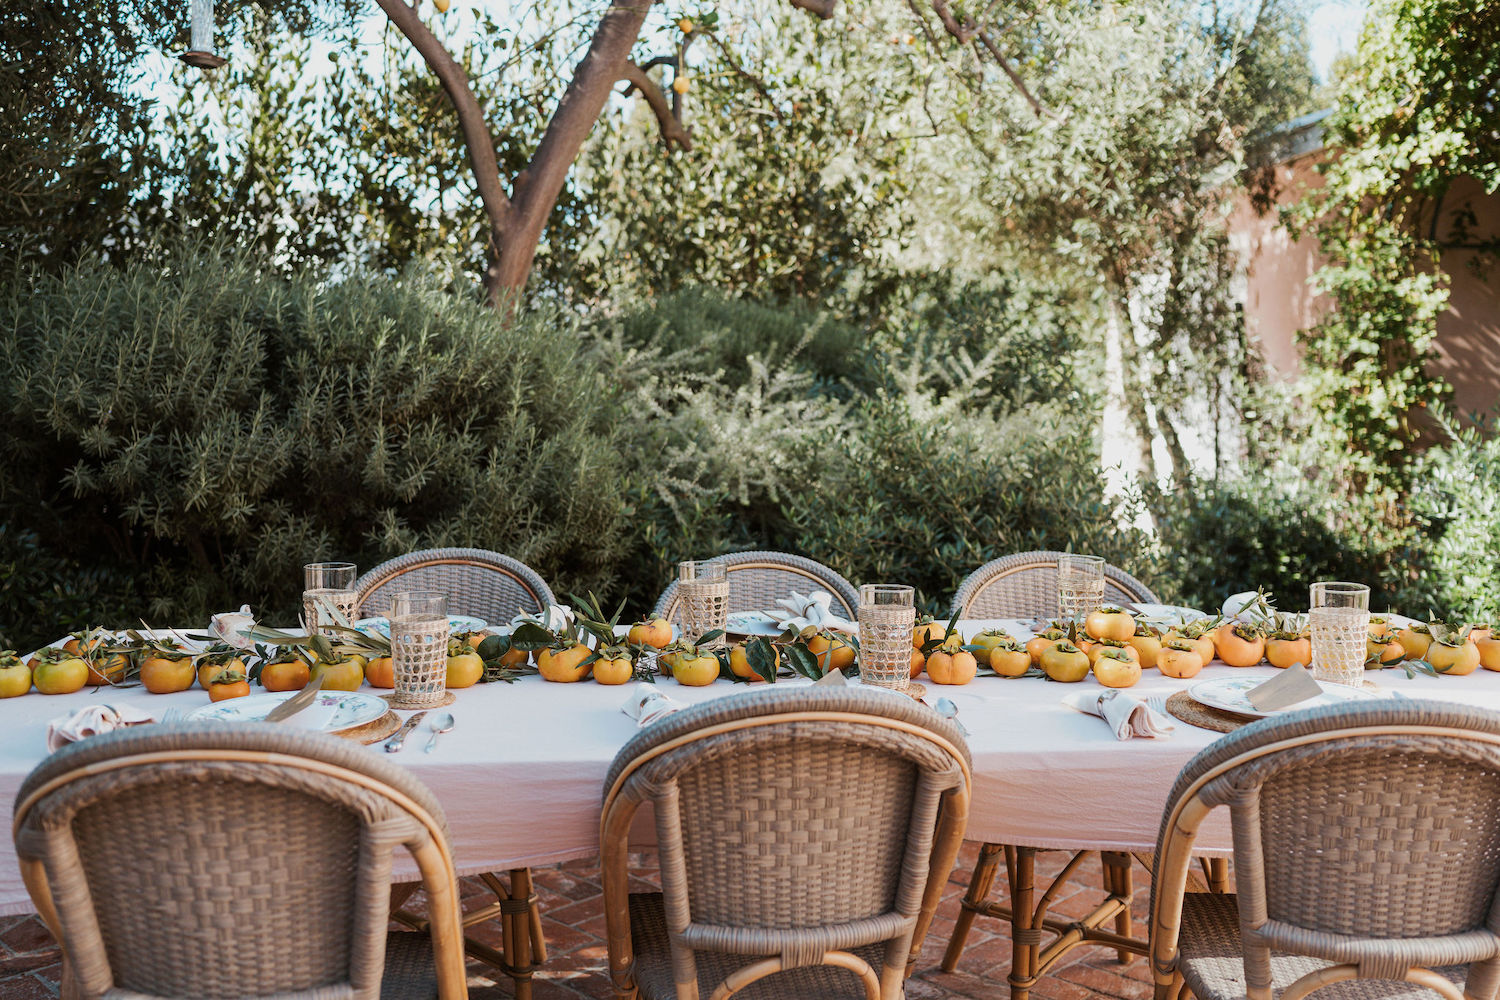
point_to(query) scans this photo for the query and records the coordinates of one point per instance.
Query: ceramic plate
(1170, 614)
(350, 708)
(457, 624)
(1230, 695)
(751, 623)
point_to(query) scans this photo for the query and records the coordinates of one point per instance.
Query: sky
(1333, 27)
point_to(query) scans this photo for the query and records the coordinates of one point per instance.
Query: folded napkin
(231, 626)
(556, 618)
(92, 720)
(798, 611)
(834, 678)
(647, 704)
(1127, 715)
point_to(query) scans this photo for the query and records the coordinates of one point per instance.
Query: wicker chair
(478, 582)
(805, 839)
(206, 860)
(494, 587)
(758, 579)
(1025, 585)
(1366, 847)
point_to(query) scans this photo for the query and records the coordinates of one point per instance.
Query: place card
(1292, 685)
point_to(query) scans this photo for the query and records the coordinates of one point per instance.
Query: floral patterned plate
(1230, 694)
(457, 624)
(348, 708)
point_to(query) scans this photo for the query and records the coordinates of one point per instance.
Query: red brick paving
(572, 904)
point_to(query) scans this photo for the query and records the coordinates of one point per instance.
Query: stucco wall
(1279, 302)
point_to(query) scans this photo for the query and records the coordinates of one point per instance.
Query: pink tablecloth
(520, 777)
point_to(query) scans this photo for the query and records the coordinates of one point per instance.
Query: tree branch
(471, 120)
(742, 72)
(535, 191)
(1015, 78)
(819, 8)
(671, 129)
(963, 32)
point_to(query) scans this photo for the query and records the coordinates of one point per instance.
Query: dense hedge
(194, 431)
(181, 435)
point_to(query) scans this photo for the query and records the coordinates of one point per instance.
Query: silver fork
(1157, 703)
(174, 714)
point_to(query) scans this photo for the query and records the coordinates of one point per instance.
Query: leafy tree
(1416, 111)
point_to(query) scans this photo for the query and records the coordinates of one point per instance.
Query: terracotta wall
(1279, 302)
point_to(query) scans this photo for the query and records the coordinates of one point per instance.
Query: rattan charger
(196, 859)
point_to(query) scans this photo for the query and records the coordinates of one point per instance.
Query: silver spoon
(948, 710)
(441, 724)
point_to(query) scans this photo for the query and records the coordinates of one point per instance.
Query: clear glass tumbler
(887, 614)
(328, 594)
(703, 589)
(419, 648)
(1339, 616)
(1080, 585)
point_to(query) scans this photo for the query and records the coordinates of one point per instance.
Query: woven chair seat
(410, 971)
(1213, 966)
(653, 971)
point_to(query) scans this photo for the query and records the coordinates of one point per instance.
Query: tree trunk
(536, 189)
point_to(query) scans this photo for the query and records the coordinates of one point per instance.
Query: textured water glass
(328, 588)
(1339, 617)
(419, 648)
(1080, 585)
(703, 590)
(887, 613)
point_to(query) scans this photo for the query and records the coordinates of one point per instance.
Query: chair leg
(980, 883)
(1117, 882)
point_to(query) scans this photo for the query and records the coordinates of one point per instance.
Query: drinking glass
(1339, 616)
(1080, 585)
(703, 586)
(328, 592)
(419, 648)
(887, 613)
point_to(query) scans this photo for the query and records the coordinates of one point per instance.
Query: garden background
(876, 292)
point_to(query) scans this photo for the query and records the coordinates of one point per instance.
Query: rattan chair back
(757, 580)
(478, 582)
(809, 829)
(1024, 585)
(1366, 835)
(207, 860)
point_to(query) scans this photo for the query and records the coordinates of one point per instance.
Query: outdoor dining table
(520, 776)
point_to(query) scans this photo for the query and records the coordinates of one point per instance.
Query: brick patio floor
(574, 924)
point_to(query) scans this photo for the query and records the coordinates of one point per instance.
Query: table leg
(1026, 940)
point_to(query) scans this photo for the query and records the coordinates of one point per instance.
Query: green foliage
(1414, 113)
(1456, 500)
(1219, 539)
(925, 500)
(208, 429)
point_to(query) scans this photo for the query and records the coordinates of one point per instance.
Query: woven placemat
(1200, 715)
(373, 732)
(395, 702)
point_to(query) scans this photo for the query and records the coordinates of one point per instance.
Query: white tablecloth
(520, 777)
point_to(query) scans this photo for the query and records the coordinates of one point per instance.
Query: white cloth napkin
(230, 627)
(1126, 714)
(647, 704)
(798, 611)
(92, 720)
(556, 618)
